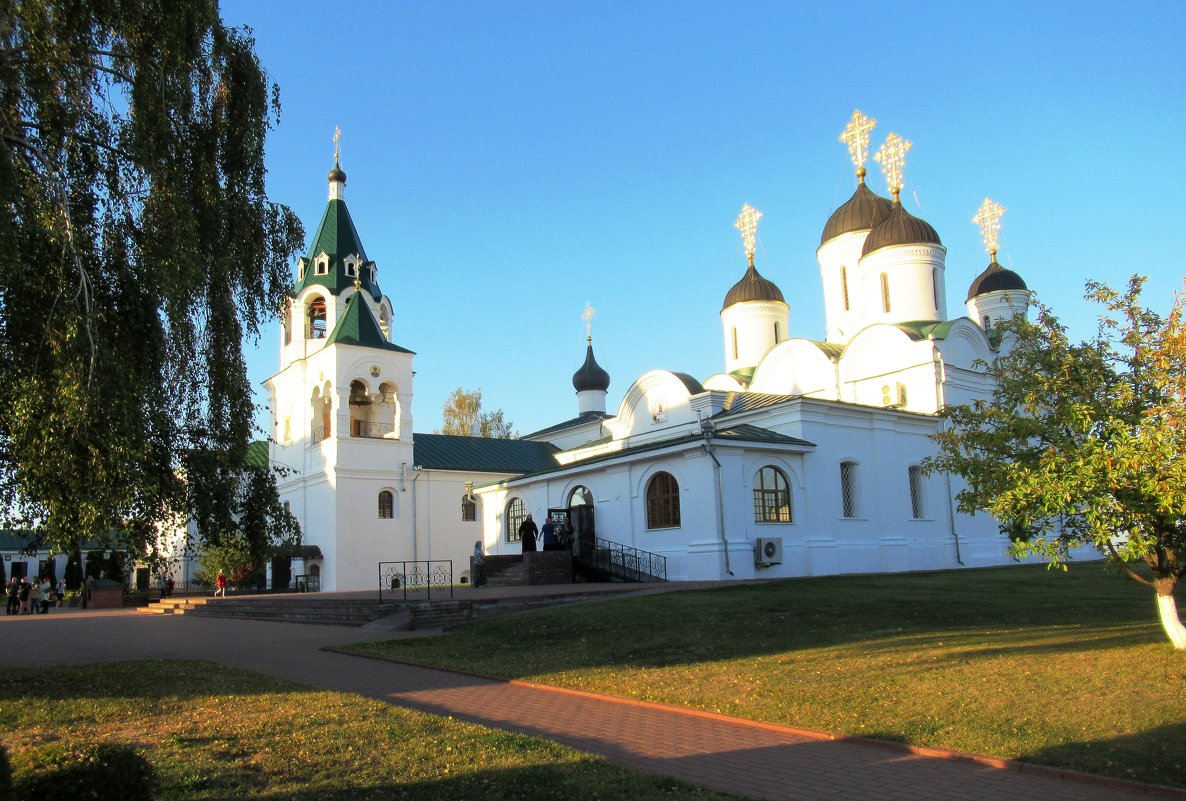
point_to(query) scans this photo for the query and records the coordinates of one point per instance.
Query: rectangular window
(734, 343)
(844, 285)
(848, 489)
(916, 497)
(885, 296)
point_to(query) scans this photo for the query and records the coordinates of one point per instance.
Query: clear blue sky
(510, 161)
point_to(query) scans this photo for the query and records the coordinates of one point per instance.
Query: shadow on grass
(172, 679)
(1021, 610)
(589, 779)
(1159, 750)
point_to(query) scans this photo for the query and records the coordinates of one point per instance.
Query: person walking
(220, 585)
(46, 591)
(527, 533)
(60, 592)
(548, 535)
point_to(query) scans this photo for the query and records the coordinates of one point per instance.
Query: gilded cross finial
(989, 220)
(337, 144)
(587, 316)
(747, 224)
(892, 158)
(856, 136)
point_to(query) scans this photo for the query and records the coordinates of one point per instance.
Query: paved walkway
(733, 756)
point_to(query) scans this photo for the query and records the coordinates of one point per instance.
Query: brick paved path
(757, 761)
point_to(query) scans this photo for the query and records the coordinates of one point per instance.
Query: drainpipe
(404, 488)
(706, 428)
(951, 506)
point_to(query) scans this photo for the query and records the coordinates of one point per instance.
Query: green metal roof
(481, 454)
(257, 453)
(357, 326)
(926, 329)
(725, 434)
(337, 238)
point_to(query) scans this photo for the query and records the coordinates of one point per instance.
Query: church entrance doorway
(281, 573)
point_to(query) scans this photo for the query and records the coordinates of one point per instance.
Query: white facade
(801, 457)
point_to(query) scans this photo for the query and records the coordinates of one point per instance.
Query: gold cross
(747, 223)
(337, 144)
(892, 158)
(989, 220)
(587, 316)
(856, 136)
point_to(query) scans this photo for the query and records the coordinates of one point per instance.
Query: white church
(801, 458)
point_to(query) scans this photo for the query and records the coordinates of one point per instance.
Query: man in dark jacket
(528, 533)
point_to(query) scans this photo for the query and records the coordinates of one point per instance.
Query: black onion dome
(861, 212)
(996, 278)
(752, 286)
(591, 376)
(900, 227)
(337, 175)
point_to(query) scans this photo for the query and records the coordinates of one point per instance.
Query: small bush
(96, 771)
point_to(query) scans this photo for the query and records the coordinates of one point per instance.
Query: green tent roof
(337, 238)
(357, 326)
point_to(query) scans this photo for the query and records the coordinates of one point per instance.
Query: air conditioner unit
(768, 551)
(893, 396)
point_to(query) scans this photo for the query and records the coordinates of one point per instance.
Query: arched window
(386, 505)
(469, 509)
(844, 285)
(385, 323)
(772, 496)
(580, 496)
(663, 501)
(917, 500)
(848, 489)
(515, 515)
(315, 326)
(885, 296)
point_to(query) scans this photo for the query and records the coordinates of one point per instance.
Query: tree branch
(68, 245)
(1132, 574)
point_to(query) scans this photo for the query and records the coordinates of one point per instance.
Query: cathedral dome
(900, 227)
(861, 212)
(590, 376)
(336, 175)
(996, 278)
(752, 286)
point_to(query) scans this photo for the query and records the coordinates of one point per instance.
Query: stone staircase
(305, 609)
(504, 574)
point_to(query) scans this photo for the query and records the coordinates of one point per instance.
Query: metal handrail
(423, 574)
(625, 562)
(369, 430)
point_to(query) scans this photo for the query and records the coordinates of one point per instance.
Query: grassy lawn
(217, 733)
(1070, 670)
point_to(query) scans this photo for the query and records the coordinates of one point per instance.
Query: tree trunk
(1170, 621)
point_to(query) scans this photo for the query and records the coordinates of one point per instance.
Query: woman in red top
(220, 582)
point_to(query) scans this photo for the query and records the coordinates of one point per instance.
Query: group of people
(27, 597)
(547, 537)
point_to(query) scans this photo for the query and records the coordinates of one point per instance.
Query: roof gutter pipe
(706, 429)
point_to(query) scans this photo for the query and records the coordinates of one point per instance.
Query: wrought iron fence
(396, 577)
(624, 562)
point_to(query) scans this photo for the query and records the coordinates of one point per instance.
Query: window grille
(917, 508)
(386, 505)
(848, 488)
(772, 496)
(516, 514)
(469, 509)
